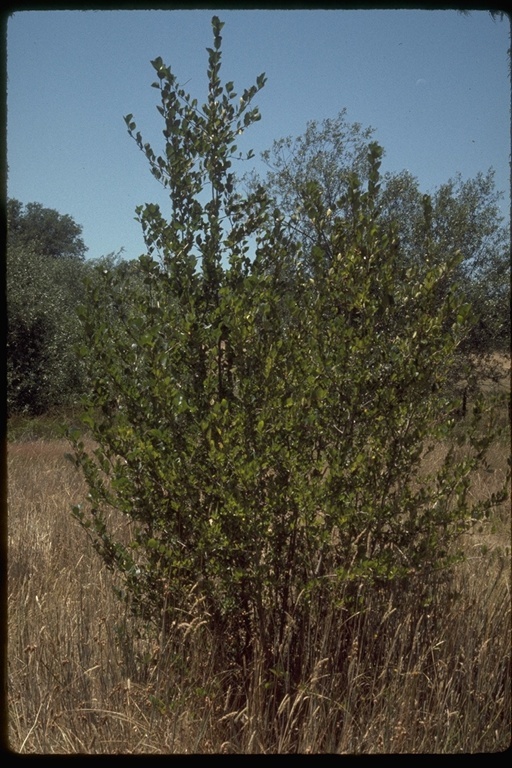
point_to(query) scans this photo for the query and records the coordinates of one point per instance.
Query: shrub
(267, 446)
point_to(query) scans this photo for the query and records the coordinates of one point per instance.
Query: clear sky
(433, 84)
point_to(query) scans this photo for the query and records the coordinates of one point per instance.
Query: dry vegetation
(80, 680)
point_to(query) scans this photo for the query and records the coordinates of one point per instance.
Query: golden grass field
(81, 681)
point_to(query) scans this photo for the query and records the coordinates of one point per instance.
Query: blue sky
(433, 84)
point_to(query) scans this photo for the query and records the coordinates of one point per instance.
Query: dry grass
(81, 681)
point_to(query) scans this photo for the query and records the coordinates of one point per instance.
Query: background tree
(266, 445)
(45, 279)
(51, 233)
(458, 216)
(331, 154)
